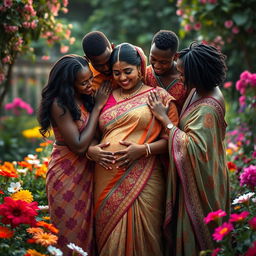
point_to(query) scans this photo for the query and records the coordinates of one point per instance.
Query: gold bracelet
(87, 156)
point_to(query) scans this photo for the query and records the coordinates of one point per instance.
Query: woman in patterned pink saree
(67, 106)
(129, 194)
(198, 179)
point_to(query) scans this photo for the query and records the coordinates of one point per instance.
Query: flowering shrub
(25, 21)
(25, 228)
(237, 235)
(17, 136)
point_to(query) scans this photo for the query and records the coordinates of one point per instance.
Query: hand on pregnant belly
(101, 156)
(127, 156)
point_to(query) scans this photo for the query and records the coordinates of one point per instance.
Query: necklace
(131, 94)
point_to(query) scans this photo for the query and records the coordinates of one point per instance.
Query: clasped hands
(122, 158)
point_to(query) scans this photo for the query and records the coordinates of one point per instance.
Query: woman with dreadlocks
(198, 179)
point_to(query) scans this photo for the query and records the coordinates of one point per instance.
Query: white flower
(254, 199)
(54, 251)
(22, 171)
(77, 249)
(243, 198)
(33, 161)
(31, 156)
(43, 207)
(14, 187)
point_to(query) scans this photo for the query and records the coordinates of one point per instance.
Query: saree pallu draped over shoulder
(69, 184)
(198, 178)
(129, 204)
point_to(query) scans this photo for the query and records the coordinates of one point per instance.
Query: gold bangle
(87, 156)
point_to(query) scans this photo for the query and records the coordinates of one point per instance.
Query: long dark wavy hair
(60, 87)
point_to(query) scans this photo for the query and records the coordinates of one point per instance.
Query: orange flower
(6, 232)
(41, 171)
(25, 165)
(8, 170)
(45, 238)
(34, 230)
(32, 252)
(50, 227)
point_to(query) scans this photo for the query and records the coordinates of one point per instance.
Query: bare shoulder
(57, 110)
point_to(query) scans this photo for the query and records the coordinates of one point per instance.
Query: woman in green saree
(198, 179)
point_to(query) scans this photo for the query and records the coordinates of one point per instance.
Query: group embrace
(139, 153)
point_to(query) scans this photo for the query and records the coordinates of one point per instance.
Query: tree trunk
(6, 86)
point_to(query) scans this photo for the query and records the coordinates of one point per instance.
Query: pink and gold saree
(69, 186)
(198, 179)
(129, 205)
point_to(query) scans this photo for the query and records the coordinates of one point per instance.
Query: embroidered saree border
(122, 197)
(192, 198)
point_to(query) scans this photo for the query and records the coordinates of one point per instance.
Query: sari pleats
(129, 204)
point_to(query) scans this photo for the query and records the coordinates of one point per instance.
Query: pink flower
(248, 176)
(238, 217)
(197, 26)
(242, 101)
(252, 250)
(203, 1)
(253, 80)
(222, 231)
(187, 27)
(7, 3)
(64, 49)
(254, 154)
(6, 59)
(215, 252)
(227, 84)
(45, 57)
(240, 86)
(212, 216)
(246, 75)
(235, 30)
(228, 23)
(179, 12)
(252, 223)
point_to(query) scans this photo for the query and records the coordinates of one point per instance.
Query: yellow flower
(38, 149)
(45, 238)
(24, 195)
(32, 133)
(46, 218)
(32, 252)
(229, 151)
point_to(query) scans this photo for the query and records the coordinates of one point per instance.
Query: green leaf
(240, 18)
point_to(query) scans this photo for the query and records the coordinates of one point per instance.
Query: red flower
(252, 250)
(252, 223)
(214, 216)
(231, 166)
(16, 212)
(238, 217)
(215, 252)
(222, 231)
(6, 232)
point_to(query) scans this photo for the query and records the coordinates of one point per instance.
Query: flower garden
(25, 227)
